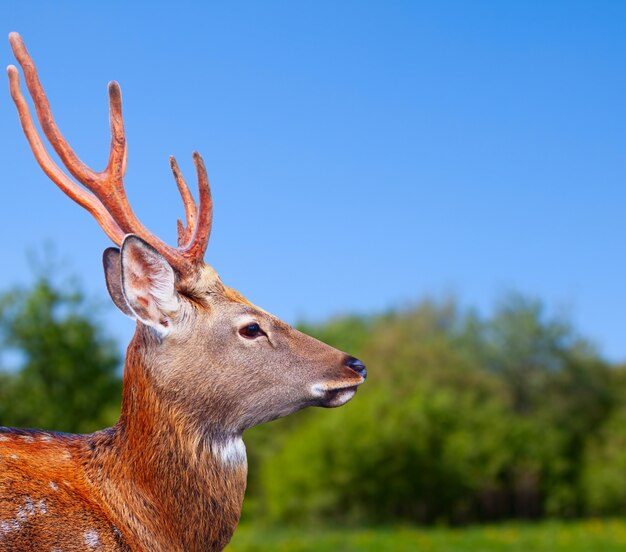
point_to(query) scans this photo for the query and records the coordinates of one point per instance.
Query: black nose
(356, 365)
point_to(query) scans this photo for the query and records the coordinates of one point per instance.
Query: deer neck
(178, 484)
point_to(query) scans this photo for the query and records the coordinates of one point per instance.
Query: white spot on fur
(23, 513)
(92, 539)
(67, 455)
(26, 438)
(27, 510)
(42, 507)
(231, 452)
(15, 457)
(53, 486)
(3, 438)
(9, 526)
(45, 437)
(5, 527)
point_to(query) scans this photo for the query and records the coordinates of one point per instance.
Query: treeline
(463, 417)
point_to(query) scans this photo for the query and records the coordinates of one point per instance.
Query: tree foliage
(64, 372)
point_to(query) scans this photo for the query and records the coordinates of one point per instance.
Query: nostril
(356, 365)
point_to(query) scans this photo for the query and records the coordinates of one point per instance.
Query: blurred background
(436, 188)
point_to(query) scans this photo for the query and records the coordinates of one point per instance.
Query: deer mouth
(332, 397)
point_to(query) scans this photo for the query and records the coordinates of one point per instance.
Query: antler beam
(105, 197)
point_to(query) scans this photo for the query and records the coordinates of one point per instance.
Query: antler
(105, 197)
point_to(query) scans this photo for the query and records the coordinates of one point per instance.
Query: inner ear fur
(148, 283)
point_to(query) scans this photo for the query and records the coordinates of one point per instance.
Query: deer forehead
(208, 292)
(206, 282)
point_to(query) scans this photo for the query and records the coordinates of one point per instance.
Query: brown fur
(47, 501)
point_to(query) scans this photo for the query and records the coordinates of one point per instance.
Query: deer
(203, 366)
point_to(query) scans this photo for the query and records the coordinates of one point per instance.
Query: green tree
(555, 378)
(64, 369)
(604, 470)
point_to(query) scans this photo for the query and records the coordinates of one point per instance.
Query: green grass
(587, 536)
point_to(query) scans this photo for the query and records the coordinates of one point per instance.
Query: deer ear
(113, 278)
(148, 284)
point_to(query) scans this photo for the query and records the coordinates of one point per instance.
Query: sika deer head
(210, 346)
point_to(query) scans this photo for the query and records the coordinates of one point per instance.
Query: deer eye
(251, 331)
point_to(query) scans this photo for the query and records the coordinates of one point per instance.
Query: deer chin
(331, 397)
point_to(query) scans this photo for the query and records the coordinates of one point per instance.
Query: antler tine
(106, 185)
(106, 199)
(191, 211)
(81, 196)
(74, 165)
(196, 248)
(109, 184)
(116, 166)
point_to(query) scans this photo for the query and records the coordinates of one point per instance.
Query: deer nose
(356, 365)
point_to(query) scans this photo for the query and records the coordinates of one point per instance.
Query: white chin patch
(332, 397)
(341, 397)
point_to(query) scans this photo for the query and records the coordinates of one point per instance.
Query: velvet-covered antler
(105, 197)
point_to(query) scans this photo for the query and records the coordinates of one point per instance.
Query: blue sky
(362, 154)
